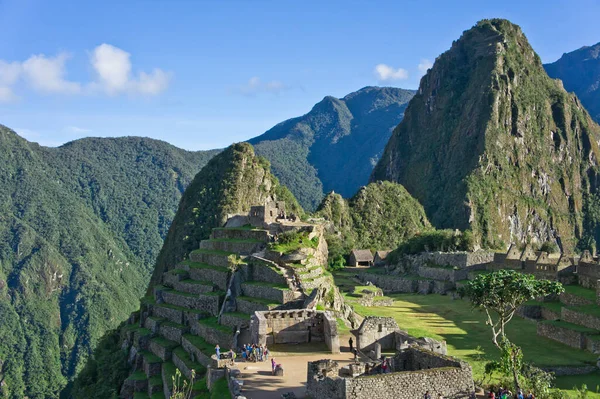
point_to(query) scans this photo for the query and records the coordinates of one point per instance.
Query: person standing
(427, 395)
(273, 365)
(351, 343)
(218, 351)
(266, 351)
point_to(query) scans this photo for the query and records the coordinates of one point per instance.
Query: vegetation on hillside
(229, 184)
(315, 153)
(79, 227)
(492, 144)
(380, 216)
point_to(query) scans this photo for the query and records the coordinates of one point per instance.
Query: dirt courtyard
(259, 383)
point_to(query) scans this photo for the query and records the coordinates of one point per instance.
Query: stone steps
(162, 347)
(155, 386)
(241, 247)
(173, 331)
(272, 292)
(250, 305)
(240, 234)
(208, 303)
(198, 348)
(194, 286)
(205, 272)
(151, 363)
(181, 359)
(171, 277)
(211, 257)
(235, 320)
(213, 333)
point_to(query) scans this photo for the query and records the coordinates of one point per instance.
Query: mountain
(380, 215)
(229, 184)
(80, 227)
(580, 72)
(491, 143)
(335, 145)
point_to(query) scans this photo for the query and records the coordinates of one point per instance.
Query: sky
(204, 74)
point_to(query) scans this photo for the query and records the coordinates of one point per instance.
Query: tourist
(367, 368)
(273, 365)
(218, 350)
(232, 355)
(384, 367)
(266, 351)
(260, 353)
(491, 395)
(520, 395)
(350, 342)
(530, 395)
(427, 395)
(355, 355)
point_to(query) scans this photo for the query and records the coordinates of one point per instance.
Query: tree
(500, 294)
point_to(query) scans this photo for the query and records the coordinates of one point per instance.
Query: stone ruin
(295, 327)
(412, 372)
(377, 334)
(539, 263)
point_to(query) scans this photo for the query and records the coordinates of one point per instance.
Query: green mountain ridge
(313, 154)
(80, 227)
(380, 215)
(493, 144)
(580, 72)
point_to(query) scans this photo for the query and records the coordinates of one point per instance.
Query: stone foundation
(580, 318)
(274, 294)
(573, 300)
(574, 339)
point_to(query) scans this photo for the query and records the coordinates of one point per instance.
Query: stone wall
(390, 283)
(239, 247)
(573, 300)
(443, 273)
(261, 270)
(439, 375)
(240, 234)
(198, 355)
(580, 318)
(266, 292)
(461, 260)
(215, 259)
(376, 330)
(212, 335)
(294, 326)
(587, 282)
(574, 339)
(204, 303)
(192, 288)
(217, 277)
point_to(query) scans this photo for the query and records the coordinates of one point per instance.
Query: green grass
(201, 344)
(212, 322)
(592, 310)
(185, 357)
(298, 241)
(155, 381)
(237, 240)
(212, 252)
(581, 292)
(197, 282)
(239, 315)
(143, 332)
(140, 395)
(262, 301)
(342, 328)
(165, 343)
(220, 390)
(175, 307)
(245, 227)
(151, 357)
(467, 335)
(591, 380)
(199, 265)
(137, 376)
(264, 284)
(189, 295)
(158, 395)
(177, 271)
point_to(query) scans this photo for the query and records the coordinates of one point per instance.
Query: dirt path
(259, 383)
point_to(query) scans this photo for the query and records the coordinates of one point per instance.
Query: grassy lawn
(468, 337)
(581, 291)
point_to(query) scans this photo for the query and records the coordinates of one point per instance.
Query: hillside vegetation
(380, 216)
(80, 226)
(493, 144)
(335, 145)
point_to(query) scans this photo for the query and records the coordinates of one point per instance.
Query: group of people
(255, 353)
(232, 354)
(507, 394)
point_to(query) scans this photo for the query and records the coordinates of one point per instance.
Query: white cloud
(385, 72)
(47, 74)
(112, 65)
(424, 65)
(255, 85)
(113, 69)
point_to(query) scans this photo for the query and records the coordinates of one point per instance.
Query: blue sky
(204, 74)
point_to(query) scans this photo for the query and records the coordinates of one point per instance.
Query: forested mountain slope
(80, 227)
(491, 143)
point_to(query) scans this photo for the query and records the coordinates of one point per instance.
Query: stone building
(264, 215)
(360, 257)
(384, 332)
(414, 371)
(380, 257)
(295, 327)
(588, 270)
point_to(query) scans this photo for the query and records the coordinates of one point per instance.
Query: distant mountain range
(336, 145)
(580, 72)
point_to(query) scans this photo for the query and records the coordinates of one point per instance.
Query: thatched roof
(362, 255)
(381, 255)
